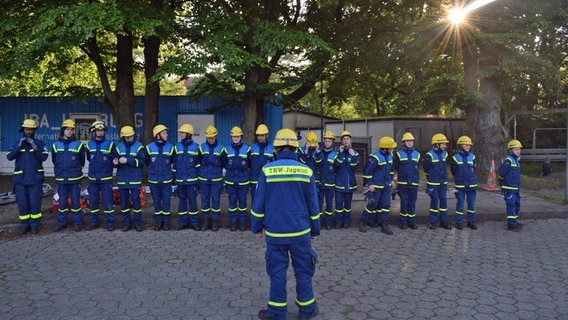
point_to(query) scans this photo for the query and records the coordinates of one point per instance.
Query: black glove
(31, 142)
(21, 141)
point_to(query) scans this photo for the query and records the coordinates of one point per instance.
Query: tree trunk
(124, 102)
(489, 126)
(471, 84)
(152, 96)
(249, 100)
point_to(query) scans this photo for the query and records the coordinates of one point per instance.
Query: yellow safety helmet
(345, 133)
(68, 124)
(465, 140)
(97, 125)
(286, 137)
(159, 128)
(329, 135)
(312, 138)
(187, 128)
(439, 138)
(387, 143)
(127, 131)
(514, 144)
(407, 136)
(211, 132)
(236, 131)
(29, 123)
(261, 129)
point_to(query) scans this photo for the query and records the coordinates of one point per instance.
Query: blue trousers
(438, 203)
(237, 202)
(161, 195)
(303, 261)
(66, 191)
(461, 196)
(343, 206)
(379, 207)
(326, 194)
(187, 207)
(408, 197)
(513, 203)
(210, 200)
(29, 204)
(96, 189)
(252, 191)
(126, 195)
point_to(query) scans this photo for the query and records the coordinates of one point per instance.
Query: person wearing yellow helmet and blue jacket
(261, 153)
(345, 165)
(159, 159)
(29, 154)
(510, 178)
(237, 179)
(406, 162)
(100, 154)
(185, 169)
(435, 167)
(68, 156)
(463, 168)
(325, 173)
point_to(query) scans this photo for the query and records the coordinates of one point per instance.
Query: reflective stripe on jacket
(100, 155)
(185, 162)
(159, 161)
(406, 164)
(68, 158)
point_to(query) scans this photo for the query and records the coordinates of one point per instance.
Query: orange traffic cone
(491, 185)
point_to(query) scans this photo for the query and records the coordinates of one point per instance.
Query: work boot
(347, 225)
(195, 227)
(182, 226)
(125, 227)
(157, 226)
(233, 226)
(432, 226)
(24, 230)
(139, 227)
(516, 227)
(242, 227)
(459, 226)
(205, 225)
(412, 226)
(93, 227)
(340, 225)
(472, 226)
(385, 229)
(166, 226)
(215, 225)
(328, 226)
(110, 228)
(362, 225)
(264, 315)
(445, 226)
(302, 316)
(77, 228)
(34, 230)
(60, 228)
(403, 226)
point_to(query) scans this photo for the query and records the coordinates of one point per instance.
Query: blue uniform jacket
(28, 169)
(186, 163)
(406, 162)
(463, 168)
(68, 158)
(286, 201)
(325, 169)
(435, 167)
(159, 159)
(129, 175)
(237, 164)
(378, 170)
(345, 166)
(260, 154)
(212, 159)
(100, 155)
(510, 174)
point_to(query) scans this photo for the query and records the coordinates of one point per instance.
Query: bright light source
(456, 15)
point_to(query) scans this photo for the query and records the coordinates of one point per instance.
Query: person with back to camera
(406, 162)
(29, 153)
(100, 154)
(510, 178)
(345, 164)
(463, 168)
(378, 177)
(185, 169)
(130, 165)
(68, 156)
(286, 208)
(237, 179)
(325, 159)
(159, 159)
(437, 181)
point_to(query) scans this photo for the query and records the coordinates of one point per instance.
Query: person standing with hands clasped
(100, 154)
(326, 171)
(261, 153)
(237, 179)
(510, 178)
(346, 162)
(68, 156)
(406, 162)
(159, 159)
(286, 208)
(463, 169)
(437, 181)
(29, 153)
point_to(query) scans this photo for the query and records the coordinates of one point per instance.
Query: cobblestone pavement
(489, 273)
